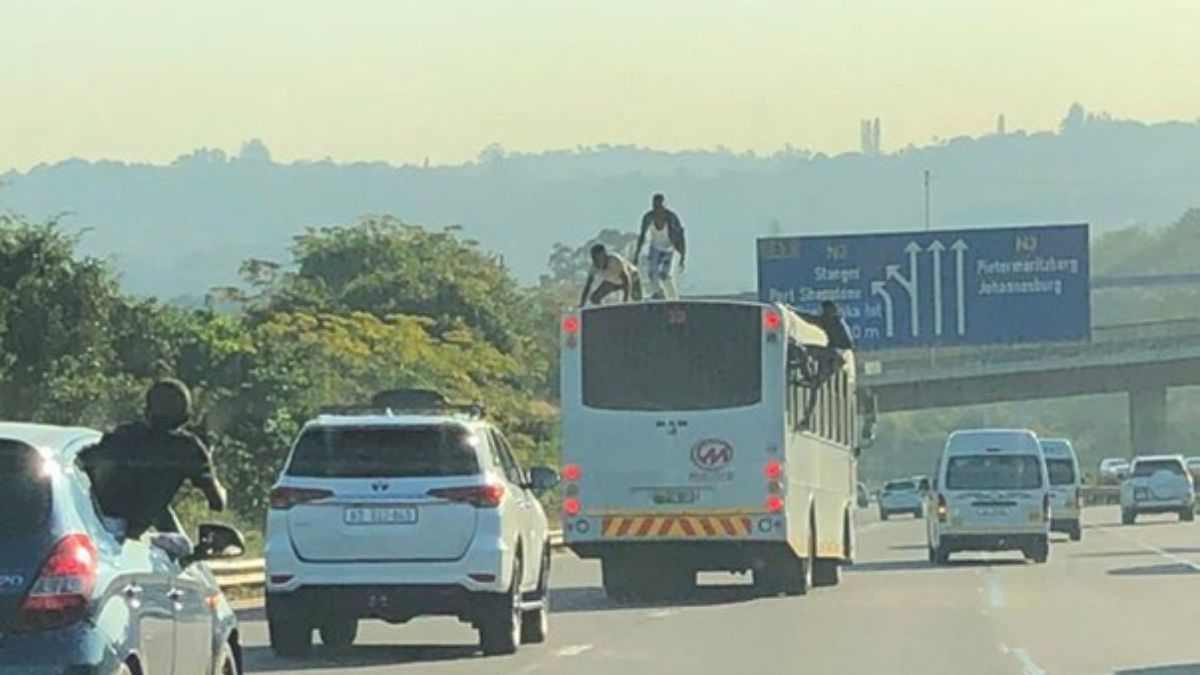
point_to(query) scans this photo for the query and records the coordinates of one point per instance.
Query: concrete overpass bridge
(1142, 360)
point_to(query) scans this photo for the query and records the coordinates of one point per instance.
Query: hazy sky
(402, 80)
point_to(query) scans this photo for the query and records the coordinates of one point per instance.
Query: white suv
(391, 515)
(1158, 484)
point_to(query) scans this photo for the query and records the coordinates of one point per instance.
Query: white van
(991, 493)
(1063, 467)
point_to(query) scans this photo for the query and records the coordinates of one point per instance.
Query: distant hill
(182, 228)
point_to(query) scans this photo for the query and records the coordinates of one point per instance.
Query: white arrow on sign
(909, 284)
(877, 288)
(959, 247)
(936, 249)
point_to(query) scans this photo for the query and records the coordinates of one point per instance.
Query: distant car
(992, 495)
(901, 496)
(78, 597)
(1158, 484)
(1113, 470)
(397, 513)
(1065, 501)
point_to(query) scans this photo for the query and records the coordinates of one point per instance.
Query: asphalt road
(1124, 600)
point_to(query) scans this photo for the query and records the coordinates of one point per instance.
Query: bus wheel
(618, 582)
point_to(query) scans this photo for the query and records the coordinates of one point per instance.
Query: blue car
(77, 597)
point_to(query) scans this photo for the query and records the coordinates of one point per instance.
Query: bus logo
(712, 454)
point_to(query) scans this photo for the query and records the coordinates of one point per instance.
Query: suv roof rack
(407, 401)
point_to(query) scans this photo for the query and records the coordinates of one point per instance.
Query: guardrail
(249, 574)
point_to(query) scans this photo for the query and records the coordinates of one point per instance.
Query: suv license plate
(380, 515)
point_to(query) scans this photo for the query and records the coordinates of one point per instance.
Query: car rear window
(385, 452)
(25, 496)
(1151, 467)
(1062, 471)
(994, 472)
(897, 486)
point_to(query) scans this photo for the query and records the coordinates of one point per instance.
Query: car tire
(1076, 532)
(1128, 516)
(1188, 514)
(1039, 552)
(501, 620)
(289, 638)
(535, 623)
(883, 515)
(226, 663)
(338, 634)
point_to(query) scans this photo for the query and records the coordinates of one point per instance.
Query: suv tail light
(486, 496)
(941, 508)
(284, 498)
(60, 594)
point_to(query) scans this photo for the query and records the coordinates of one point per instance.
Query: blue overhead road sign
(947, 287)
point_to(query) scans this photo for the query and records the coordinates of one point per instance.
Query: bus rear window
(666, 356)
(994, 472)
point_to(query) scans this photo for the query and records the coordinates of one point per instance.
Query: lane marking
(995, 591)
(1180, 560)
(662, 613)
(573, 650)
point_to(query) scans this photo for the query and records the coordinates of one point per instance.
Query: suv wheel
(339, 633)
(500, 620)
(1188, 514)
(535, 623)
(289, 637)
(1128, 516)
(1039, 552)
(1076, 532)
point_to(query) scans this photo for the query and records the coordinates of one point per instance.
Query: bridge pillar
(1148, 421)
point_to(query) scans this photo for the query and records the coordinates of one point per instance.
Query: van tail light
(486, 496)
(284, 498)
(60, 594)
(1076, 498)
(941, 508)
(1046, 506)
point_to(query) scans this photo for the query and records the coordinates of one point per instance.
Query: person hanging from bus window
(830, 358)
(666, 239)
(614, 273)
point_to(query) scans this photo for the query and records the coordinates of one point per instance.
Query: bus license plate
(380, 515)
(676, 496)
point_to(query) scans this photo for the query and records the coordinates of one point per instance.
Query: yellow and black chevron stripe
(677, 526)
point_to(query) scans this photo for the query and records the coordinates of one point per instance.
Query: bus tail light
(774, 503)
(771, 320)
(773, 469)
(941, 508)
(572, 506)
(571, 473)
(570, 328)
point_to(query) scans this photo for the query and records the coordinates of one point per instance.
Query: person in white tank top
(614, 273)
(666, 239)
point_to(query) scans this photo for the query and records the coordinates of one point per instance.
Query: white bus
(685, 447)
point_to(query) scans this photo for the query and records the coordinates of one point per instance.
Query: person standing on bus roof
(615, 273)
(666, 239)
(830, 358)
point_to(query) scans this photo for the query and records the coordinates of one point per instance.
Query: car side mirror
(542, 479)
(217, 542)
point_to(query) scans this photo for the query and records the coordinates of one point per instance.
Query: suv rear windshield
(25, 495)
(899, 485)
(665, 356)
(384, 452)
(1151, 467)
(1062, 471)
(994, 472)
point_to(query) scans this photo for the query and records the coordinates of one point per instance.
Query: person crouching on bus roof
(830, 358)
(615, 273)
